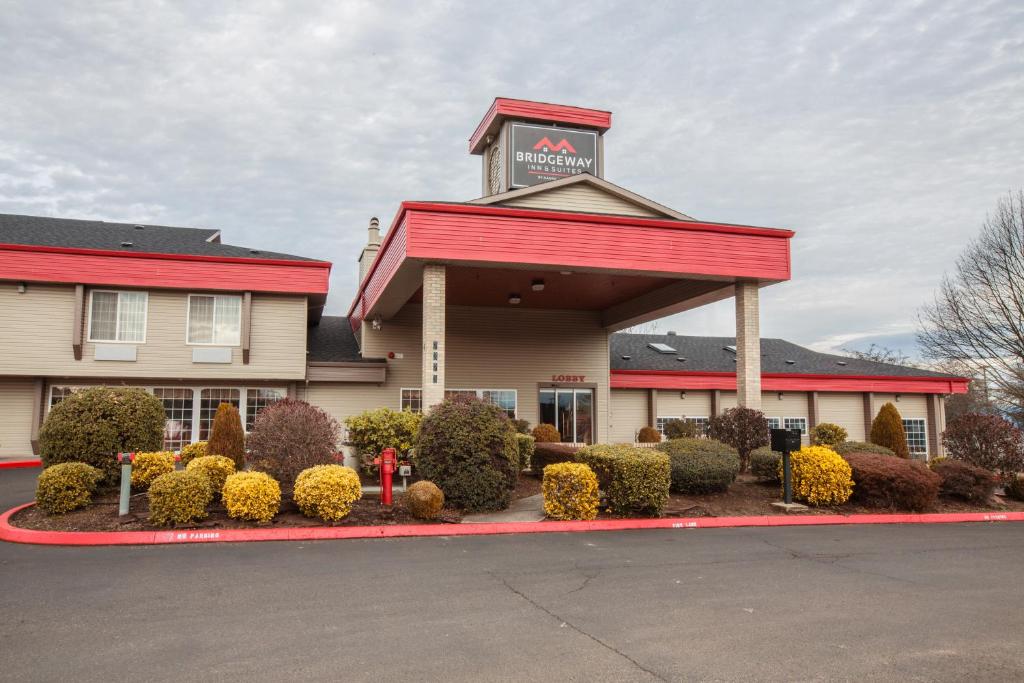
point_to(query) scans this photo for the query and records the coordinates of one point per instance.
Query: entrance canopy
(631, 269)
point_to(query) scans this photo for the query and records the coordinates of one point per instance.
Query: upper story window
(214, 319)
(117, 316)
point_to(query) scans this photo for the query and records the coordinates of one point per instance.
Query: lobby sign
(543, 153)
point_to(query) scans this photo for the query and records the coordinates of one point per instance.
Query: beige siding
(36, 339)
(487, 348)
(845, 410)
(580, 197)
(629, 414)
(909, 405)
(728, 400)
(16, 397)
(696, 403)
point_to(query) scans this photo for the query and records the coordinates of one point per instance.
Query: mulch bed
(746, 497)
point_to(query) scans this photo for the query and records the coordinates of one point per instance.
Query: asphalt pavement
(906, 603)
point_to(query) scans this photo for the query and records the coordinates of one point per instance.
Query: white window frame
(803, 430)
(924, 432)
(117, 320)
(778, 422)
(401, 397)
(197, 390)
(213, 324)
(480, 395)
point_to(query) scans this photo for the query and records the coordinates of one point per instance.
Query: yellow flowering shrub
(148, 466)
(820, 476)
(216, 468)
(66, 486)
(570, 491)
(635, 480)
(191, 451)
(424, 499)
(255, 496)
(327, 491)
(179, 498)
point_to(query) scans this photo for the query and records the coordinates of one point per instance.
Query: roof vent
(840, 362)
(254, 251)
(626, 357)
(730, 349)
(681, 359)
(671, 333)
(127, 244)
(661, 348)
(140, 227)
(790, 362)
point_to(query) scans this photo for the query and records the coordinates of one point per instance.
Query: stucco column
(433, 335)
(748, 346)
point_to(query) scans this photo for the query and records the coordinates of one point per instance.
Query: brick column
(433, 335)
(652, 407)
(748, 346)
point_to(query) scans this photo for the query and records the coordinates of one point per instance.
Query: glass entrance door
(571, 411)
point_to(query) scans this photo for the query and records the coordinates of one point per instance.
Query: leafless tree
(977, 318)
(880, 354)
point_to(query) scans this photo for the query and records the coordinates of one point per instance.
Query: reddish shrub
(986, 441)
(745, 429)
(290, 436)
(648, 435)
(546, 433)
(886, 482)
(968, 482)
(545, 454)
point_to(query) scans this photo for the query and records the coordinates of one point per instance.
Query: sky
(881, 132)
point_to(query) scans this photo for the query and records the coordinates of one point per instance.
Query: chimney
(370, 250)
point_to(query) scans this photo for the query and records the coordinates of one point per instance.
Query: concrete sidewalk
(530, 509)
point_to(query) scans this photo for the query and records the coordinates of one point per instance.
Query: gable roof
(709, 354)
(333, 341)
(609, 188)
(44, 231)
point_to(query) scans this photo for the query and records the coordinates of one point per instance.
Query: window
(58, 394)
(917, 436)
(214, 319)
(117, 316)
(412, 400)
(659, 423)
(503, 398)
(209, 400)
(774, 422)
(178, 408)
(703, 423)
(256, 400)
(795, 423)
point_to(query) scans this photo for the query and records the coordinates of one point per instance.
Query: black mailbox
(785, 440)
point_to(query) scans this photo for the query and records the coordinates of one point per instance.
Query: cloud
(880, 132)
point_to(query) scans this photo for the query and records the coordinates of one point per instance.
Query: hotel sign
(543, 153)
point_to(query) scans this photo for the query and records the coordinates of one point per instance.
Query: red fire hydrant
(386, 462)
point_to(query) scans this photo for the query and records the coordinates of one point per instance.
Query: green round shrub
(94, 425)
(179, 497)
(635, 480)
(681, 429)
(65, 487)
(828, 434)
(527, 445)
(468, 448)
(848, 447)
(701, 465)
(764, 464)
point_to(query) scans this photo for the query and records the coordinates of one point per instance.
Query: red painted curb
(15, 464)
(18, 535)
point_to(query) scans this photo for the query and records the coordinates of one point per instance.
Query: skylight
(661, 348)
(730, 349)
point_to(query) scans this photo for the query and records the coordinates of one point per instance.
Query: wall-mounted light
(897, 397)
(682, 394)
(565, 272)
(537, 285)
(514, 299)
(780, 395)
(377, 323)
(22, 288)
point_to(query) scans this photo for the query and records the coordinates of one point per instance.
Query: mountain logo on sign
(546, 144)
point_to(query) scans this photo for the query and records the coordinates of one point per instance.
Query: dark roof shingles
(333, 341)
(159, 239)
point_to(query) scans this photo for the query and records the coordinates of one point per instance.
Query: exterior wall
(672, 404)
(16, 408)
(628, 414)
(486, 348)
(38, 329)
(845, 410)
(582, 198)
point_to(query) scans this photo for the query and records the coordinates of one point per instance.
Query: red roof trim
(780, 381)
(527, 110)
(170, 257)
